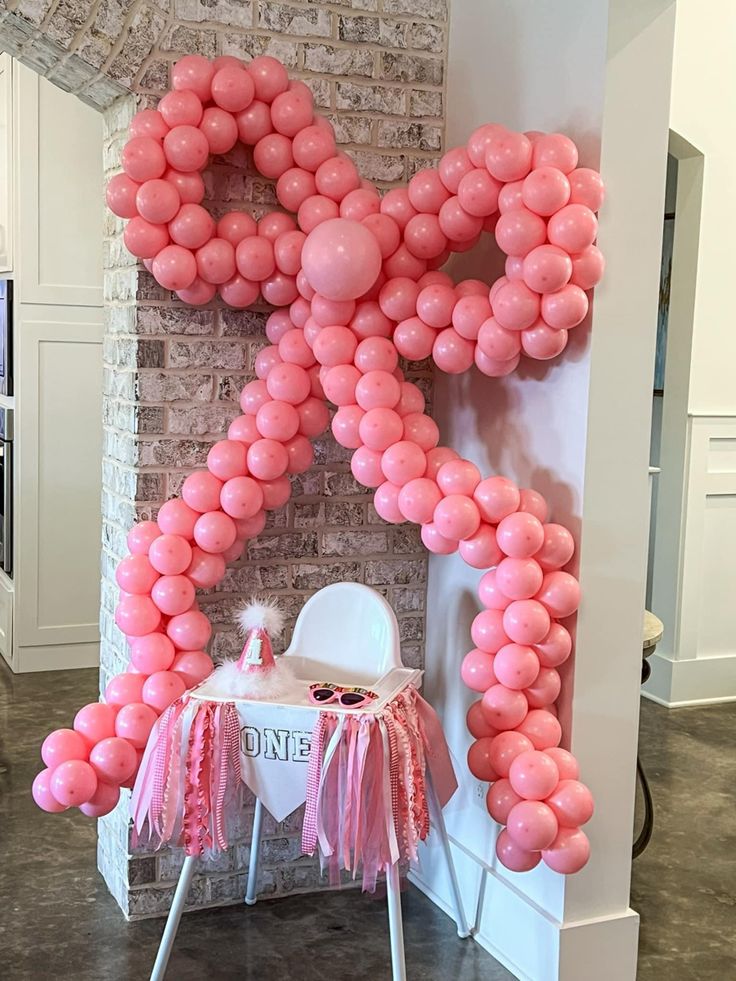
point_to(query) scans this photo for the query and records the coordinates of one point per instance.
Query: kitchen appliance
(6, 490)
(6, 336)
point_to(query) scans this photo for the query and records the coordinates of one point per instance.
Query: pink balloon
(515, 306)
(487, 631)
(453, 166)
(545, 191)
(143, 159)
(542, 728)
(95, 721)
(519, 579)
(376, 354)
(73, 783)
(456, 517)
(571, 803)
(340, 384)
(489, 593)
(504, 709)
(566, 763)
(569, 852)
(157, 201)
(506, 747)
(380, 428)
(476, 722)
(479, 762)
(560, 594)
(533, 775)
(192, 227)
(136, 615)
(566, 308)
(216, 261)
(385, 499)
(402, 462)
(557, 548)
(423, 236)
(418, 499)
(512, 856)
(62, 745)
(517, 666)
(458, 225)
(573, 228)
(152, 652)
(267, 460)
(275, 493)
(255, 394)
(555, 150)
(420, 429)
(186, 149)
(272, 155)
(193, 73)
(121, 196)
(335, 345)
(587, 268)
(451, 352)
(103, 801)
(520, 230)
(42, 795)
(315, 210)
(532, 825)
(124, 688)
(277, 420)
(198, 293)
(481, 550)
(289, 383)
(497, 343)
(509, 198)
(300, 453)
(547, 268)
(144, 240)
(543, 342)
(201, 491)
(508, 156)
(478, 193)
(328, 312)
(533, 503)
(163, 688)
(520, 535)
(135, 574)
(360, 203)
(435, 542)
(336, 177)
(377, 390)
(365, 466)
(193, 667)
(500, 798)
(134, 723)
(469, 313)
(189, 186)
(113, 759)
(414, 339)
(170, 555)
(172, 595)
(241, 497)
(477, 670)
(214, 532)
(149, 122)
(554, 649)
(341, 259)
(346, 426)
(526, 622)
(252, 527)
(426, 191)
(496, 497)
(255, 258)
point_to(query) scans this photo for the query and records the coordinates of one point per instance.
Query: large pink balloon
(341, 259)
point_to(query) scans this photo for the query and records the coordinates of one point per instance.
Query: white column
(577, 430)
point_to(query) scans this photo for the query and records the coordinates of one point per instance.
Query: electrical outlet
(480, 791)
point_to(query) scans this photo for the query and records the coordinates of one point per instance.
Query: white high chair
(346, 633)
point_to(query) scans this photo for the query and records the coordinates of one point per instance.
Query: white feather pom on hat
(265, 614)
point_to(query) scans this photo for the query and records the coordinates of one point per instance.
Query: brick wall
(173, 373)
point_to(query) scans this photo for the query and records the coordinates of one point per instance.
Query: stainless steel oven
(6, 490)
(6, 336)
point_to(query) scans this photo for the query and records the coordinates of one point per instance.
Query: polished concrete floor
(58, 921)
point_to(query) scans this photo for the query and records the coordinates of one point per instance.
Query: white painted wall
(695, 540)
(577, 430)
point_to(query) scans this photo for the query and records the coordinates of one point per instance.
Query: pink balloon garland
(356, 280)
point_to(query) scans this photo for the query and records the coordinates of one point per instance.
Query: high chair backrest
(346, 633)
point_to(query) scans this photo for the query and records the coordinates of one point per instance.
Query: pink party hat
(257, 673)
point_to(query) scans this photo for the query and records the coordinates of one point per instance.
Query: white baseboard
(526, 940)
(56, 657)
(697, 681)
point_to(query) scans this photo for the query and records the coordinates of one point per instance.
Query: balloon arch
(356, 282)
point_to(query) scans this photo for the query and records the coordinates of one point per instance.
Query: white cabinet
(49, 611)
(6, 162)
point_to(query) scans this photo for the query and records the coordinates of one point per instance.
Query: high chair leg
(251, 892)
(395, 924)
(172, 922)
(438, 820)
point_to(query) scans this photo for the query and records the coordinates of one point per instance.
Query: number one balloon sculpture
(355, 279)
